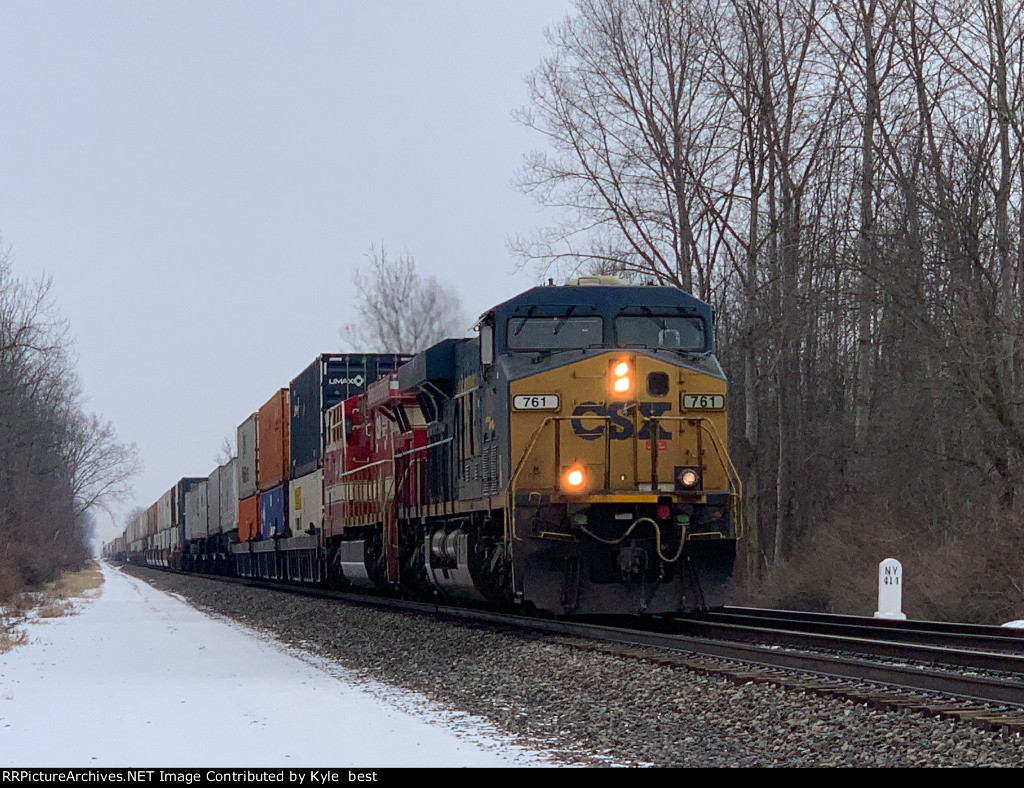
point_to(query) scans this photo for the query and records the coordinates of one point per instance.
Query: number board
(535, 402)
(703, 402)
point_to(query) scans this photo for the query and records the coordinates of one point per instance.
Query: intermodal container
(178, 493)
(248, 518)
(196, 524)
(306, 503)
(213, 501)
(248, 456)
(229, 496)
(151, 520)
(136, 529)
(272, 441)
(331, 378)
(274, 511)
(165, 514)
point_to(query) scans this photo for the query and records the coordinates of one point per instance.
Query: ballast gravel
(586, 708)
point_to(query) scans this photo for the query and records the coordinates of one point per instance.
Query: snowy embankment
(138, 678)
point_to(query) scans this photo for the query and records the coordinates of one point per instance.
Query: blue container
(274, 511)
(331, 378)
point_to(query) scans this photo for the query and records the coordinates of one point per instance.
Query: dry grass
(55, 601)
(75, 585)
(9, 638)
(55, 610)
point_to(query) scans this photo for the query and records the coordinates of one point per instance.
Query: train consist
(571, 458)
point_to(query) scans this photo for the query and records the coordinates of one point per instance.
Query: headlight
(574, 479)
(687, 478)
(622, 377)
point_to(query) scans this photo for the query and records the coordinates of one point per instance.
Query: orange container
(248, 518)
(272, 441)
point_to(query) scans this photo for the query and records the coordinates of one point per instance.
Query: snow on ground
(138, 678)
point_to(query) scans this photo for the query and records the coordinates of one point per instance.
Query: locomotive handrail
(510, 523)
(708, 425)
(424, 447)
(510, 520)
(703, 422)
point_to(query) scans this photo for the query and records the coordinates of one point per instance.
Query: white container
(213, 501)
(136, 529)
(165, 512)
(195, 513)
(248, 458)
(229, 496)
(306, 502)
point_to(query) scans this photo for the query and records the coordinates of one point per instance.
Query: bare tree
(57, 462)
(226, 452)
(636, 165)
(101, 467)
(398, 310)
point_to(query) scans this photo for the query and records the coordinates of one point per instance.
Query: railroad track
(955, 674)
(938, 633)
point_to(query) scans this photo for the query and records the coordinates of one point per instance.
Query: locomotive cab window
(672, 332)
(556, 332)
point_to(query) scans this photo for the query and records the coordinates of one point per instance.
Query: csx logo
(620, 426)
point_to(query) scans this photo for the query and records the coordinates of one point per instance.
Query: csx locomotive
(571, 458)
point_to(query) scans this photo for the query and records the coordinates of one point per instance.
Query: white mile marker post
(890, 590)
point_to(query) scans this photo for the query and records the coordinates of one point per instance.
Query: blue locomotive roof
(603, 299)
(595, 315)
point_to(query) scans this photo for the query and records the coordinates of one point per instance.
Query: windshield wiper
(522, 323)
(659, 322)
(562, 321)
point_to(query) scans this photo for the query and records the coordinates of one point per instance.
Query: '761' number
(703, 401)
(535, 402)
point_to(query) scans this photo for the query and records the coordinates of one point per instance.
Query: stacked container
(229, 498)
(213, 482)
(273, 510)
(329, 380)
(273, 442)
(307, 500)
(196, 523)
(166, 538)
(272, 469)
(137, 535)
(246, 472)
(249, 518)
(179, 493)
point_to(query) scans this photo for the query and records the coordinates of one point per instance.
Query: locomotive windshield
(557, 332)
(660, 331)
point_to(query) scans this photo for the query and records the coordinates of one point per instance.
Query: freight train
(570, 458)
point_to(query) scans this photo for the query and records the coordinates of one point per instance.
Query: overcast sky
(201, 178)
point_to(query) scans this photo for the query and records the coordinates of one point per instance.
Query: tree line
(58, 462)
(844, 182)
